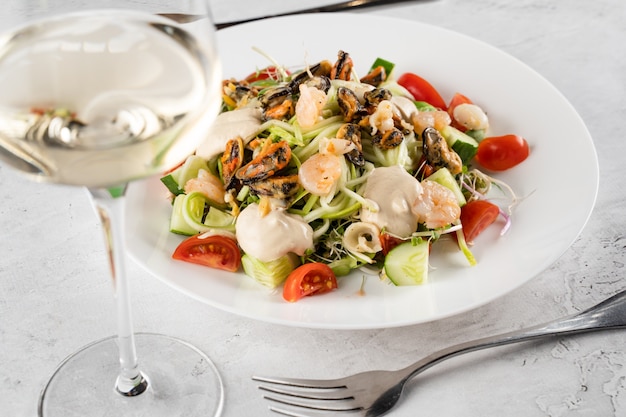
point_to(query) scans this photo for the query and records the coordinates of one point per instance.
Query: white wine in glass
(98, 94)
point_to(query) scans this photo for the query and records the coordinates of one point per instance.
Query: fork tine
(287, 412)
(315, 395)
(291, 413)
(304, 383)
(331, 405)
(327, 394)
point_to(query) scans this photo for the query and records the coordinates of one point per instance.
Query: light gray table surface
(55, 295)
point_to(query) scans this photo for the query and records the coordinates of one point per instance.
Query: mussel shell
(274, 96)
(437, 152)
(321, 69)
(266, 163)
(389, 139)
(279, 187)
(321, 83)
(349, 104)
(375, 96)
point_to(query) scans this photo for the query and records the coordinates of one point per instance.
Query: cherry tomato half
(389, 242)
(270, 72)
(421, 90)
(456, 100)
(215, 251)
(498, 153)
(309, 279)
(476, 216)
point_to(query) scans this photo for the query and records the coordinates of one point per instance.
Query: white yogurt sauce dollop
(394, 191)
(271, 236)
(243, 122)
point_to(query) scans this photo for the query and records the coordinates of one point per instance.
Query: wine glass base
(182, 382)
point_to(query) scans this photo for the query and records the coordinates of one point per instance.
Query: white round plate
(562, 164)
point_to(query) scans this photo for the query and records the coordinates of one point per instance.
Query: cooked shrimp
(337, 146)
(382, 119)
(437, 206)
(319, 174)
(309, 106)
(208, 184)
(470, 116)
(423, 119)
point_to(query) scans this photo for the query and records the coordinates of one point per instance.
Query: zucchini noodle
(327, 130)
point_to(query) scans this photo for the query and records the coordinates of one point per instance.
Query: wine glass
(97, 94)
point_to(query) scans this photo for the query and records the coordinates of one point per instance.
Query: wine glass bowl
(113, 96)
(97, 94)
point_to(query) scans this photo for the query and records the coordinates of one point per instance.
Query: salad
(309, 175)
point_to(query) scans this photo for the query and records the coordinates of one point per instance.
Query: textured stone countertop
(55, 295)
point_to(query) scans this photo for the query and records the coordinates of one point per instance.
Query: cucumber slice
(190, 169)
(188, 212)
(424, 106)
(218, 219)
(464, 145)
(407, 263)
(178, 224)
(171, 183)
(193, 210)
(444, 177)
(477, 135)
(387, 65)
(272, 273)
(175, 180)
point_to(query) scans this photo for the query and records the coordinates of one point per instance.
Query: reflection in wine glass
(97, 96)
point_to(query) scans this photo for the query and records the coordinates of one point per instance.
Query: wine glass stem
(109, 204)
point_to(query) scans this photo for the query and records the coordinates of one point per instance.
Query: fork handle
(609, 314)
(337, 7)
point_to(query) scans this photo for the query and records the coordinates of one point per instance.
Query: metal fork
(374, 393)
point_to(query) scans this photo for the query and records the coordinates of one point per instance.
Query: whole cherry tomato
(499, 153)
(421, 90)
